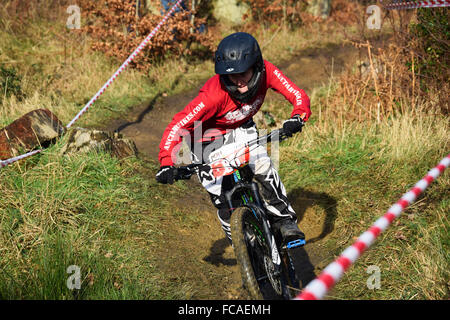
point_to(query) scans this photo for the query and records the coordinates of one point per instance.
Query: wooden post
(138, 5)
(193, 3)
(374, 75)
(137, 16)
(413, 80)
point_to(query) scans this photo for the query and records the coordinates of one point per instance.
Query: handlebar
(185, 172)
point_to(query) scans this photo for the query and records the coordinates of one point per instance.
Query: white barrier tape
(124, 65)
(417, 4)
(317, 288)
(4, 163)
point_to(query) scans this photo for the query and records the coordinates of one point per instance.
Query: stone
(366, 70)
(37, 128)
(319, 8)
(231, 11)
(123, 148)
(82, 140)
(152, 6)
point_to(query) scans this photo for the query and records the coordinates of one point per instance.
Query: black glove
(293, 125)
(165, 174)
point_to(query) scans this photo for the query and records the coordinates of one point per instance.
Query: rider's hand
(165, 174)
(293, 125)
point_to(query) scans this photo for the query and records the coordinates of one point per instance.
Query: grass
(58, 71)
(366, 168)
(92, 211)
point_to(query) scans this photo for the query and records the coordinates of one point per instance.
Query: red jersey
(215, 111)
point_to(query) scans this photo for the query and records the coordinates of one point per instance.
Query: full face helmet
(237, 53)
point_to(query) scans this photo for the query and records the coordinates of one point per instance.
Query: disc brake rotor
(270, 270)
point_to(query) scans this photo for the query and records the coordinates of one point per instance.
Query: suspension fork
(259, 204)
(258, 209)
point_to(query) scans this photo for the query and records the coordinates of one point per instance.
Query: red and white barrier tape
(4, 163)
(417, 4)
(125, 64)
(317, 288)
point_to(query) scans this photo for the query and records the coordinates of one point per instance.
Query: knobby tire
(238, 219)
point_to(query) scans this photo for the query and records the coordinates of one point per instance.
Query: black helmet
(237, 53)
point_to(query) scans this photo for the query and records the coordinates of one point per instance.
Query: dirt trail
(197, 257)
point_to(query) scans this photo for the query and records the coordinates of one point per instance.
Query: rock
(319, 8)
(122, 148)
(35, 129)
(82, 140)
(366, 70)
(152, 6)
(231, 11)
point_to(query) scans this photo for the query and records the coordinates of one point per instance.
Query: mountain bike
(265, 262)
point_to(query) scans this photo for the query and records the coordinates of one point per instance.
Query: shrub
(273, 11)
(10, 83)
(433, 34)
(118, 28)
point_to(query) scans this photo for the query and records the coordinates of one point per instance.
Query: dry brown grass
(60, 72)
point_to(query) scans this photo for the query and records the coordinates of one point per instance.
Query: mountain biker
(223, 112)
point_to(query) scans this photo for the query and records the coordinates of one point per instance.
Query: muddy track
(197, 257)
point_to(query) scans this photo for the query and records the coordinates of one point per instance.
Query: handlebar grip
(185, 173)
(181, 174)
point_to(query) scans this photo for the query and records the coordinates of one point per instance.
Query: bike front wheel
(253, 255)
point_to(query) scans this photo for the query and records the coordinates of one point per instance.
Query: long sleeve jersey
(214, 111)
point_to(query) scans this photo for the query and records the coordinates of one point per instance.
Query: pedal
(296, 243)
(303, 267)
